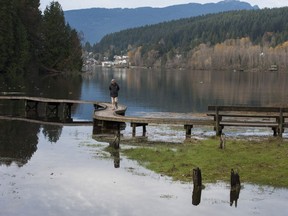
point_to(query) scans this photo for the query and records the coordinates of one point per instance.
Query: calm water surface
(53, 170)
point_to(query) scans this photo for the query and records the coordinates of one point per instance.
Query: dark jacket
(114, 88)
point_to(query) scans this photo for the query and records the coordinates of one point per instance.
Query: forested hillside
(239, 39)
(95, 23)
(31, 41)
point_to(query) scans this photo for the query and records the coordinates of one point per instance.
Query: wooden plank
(243, 115)
(248, 124)
(246, 109)
(39, 121)
(48, 100)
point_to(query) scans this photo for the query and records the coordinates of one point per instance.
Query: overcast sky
(80, 4)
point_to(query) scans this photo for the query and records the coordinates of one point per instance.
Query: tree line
(31, 41)
(237, 39)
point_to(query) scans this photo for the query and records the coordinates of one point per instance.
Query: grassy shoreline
(262, 162)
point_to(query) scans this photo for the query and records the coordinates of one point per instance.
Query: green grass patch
(259, 162)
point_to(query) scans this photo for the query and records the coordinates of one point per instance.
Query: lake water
(53, 170)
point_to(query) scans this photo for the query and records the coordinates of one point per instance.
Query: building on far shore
(119, 62)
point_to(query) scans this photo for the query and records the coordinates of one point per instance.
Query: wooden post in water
(222, 141)
(217, 122)
(197, 177)
(234, 178)
(134, 125)
(67, 112)
(281, 120)
(188, 129)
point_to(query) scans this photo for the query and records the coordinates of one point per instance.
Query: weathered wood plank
(241, 116)
(247, 109)
(48, 100)
(248, 124)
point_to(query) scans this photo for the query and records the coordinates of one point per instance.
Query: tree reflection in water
(19, 140)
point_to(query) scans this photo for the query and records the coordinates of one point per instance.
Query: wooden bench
(273, 117)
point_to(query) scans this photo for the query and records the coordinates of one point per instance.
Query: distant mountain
(97, 22)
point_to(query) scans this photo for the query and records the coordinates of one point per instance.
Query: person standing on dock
(114, 88)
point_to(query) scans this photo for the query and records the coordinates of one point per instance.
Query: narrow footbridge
(222, 116)
(107, 118)
(52, 111)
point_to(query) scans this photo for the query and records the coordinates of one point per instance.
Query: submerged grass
(259, 162)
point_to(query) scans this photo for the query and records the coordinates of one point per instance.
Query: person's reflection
(196, 195)
(115, 145)
(116, 156)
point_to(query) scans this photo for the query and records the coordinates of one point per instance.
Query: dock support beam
(52, 110)
(31, 105)
(67, 112)
(134, 125)
(188, 129)
(281, 121)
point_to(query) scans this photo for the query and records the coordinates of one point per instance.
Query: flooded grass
(258, 162)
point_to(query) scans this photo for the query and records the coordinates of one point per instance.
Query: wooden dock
(105, 118)
(53, 109)
(217, 117)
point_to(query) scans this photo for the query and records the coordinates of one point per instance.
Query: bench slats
(273, 117)
(248, 124)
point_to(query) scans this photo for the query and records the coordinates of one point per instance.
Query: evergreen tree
(61, 50)
(14, 45)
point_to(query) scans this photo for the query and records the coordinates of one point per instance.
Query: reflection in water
(113, 137)
(116, 156)
(197, 186)
(69, 179)
(81, 186)
(235, 187)
(144, 90)
(19, 140)
(116, 141)
(234, 195)
(52, 133)
(196, 195)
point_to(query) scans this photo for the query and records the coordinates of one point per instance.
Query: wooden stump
(222, 141)
(234, 179)
(197, 177)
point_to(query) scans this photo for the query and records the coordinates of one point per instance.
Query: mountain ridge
(95, 23)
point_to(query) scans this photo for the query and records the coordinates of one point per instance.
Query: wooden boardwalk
(105, 117)
(217, 117)
(57, 111)
(47, 100)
